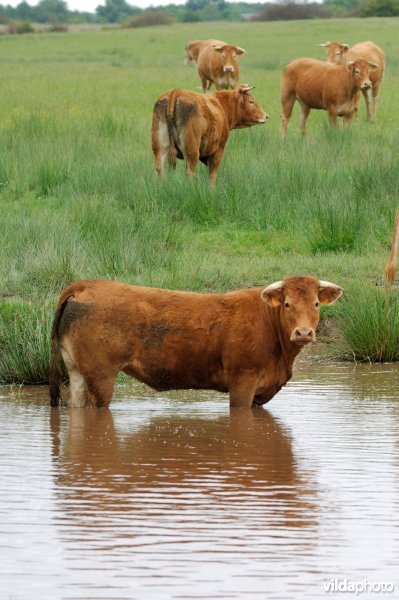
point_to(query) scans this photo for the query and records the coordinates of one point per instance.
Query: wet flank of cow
(242, 342)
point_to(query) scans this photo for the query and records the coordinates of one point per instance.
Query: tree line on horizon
(121, 12)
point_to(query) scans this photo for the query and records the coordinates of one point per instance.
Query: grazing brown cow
(242, 342)
(195, 128)
(341, 54)
(316, 84)
(216, 62)
(392, 264)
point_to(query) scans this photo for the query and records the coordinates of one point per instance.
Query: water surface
(174, 496)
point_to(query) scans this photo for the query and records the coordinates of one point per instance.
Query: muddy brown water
(172, 496)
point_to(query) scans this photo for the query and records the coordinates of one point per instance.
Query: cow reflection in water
(236, 467)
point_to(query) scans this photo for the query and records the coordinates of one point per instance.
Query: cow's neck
(289, 350)
(228, 101)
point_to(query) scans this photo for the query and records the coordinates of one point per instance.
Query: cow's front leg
(332, 116)
(213, 164)
(242, 394)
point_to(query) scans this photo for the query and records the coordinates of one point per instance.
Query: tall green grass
(369, 320)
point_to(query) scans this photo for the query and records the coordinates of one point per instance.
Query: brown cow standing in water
(341, 54)
(316, 84)
(216, 63)
(242, 342)
(195, 128)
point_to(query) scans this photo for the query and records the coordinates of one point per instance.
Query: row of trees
(120, 11)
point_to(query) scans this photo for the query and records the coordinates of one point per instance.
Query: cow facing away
(242, 342)
(194, 127)
(341, 54)
(392, 264)
(216, 61)
(320, 85)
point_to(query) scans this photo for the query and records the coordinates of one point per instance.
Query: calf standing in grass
(195, 128)
(243, 342)
(320, 85)
(341, 54)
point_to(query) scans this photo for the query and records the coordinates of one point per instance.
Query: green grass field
(80, 198)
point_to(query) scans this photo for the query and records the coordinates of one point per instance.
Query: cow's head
(248, 111)
(298, 299)
(360, 70)
(336, 52)
(228, 55)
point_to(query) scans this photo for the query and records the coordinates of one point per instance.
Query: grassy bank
(80, 199)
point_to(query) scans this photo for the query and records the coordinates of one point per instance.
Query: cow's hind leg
(77, 385)
(161, 146)
(287, 101)
(303, 115)
(100, 389)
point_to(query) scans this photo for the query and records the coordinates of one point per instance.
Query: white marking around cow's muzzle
(228, 69)
(263, 119)
(365, 85)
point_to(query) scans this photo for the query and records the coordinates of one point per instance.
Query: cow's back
(308, 78)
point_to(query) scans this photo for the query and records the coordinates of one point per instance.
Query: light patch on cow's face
(298, 301)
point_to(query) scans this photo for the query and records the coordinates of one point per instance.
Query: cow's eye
(317, 304)
(357, 71)
(234, 55)
(251, 101)
(286, 304)
(223, 54)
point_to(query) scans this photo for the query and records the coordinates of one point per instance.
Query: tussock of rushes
(369, 320)
(25, 342)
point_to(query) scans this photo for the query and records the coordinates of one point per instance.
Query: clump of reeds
(368, 317)
(25, 342)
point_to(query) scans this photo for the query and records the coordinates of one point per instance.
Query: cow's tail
(173, 97)
(55, 370)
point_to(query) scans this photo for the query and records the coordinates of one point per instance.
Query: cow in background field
(191, 51)
(243, 342)
(341, 54)
(195, 127)
(392, 264)
(216, 63)
(320, 85)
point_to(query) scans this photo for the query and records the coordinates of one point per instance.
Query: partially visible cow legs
(100, 389)
(367, 98)
(161, 146)
(77, 385)
(287, 101)
(332, 115)
(303, 115)
(206, 84)
(242, 394)
(376, 95)
(213, 164)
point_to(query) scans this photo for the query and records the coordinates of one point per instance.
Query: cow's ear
(329, 292)
(344, 47)
(350, 64)
(273, 294)
(239, 50)
(218, 48)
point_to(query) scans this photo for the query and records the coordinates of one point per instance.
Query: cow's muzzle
(263, 119)
(228, 69)
(365, 85)
(303, 335)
